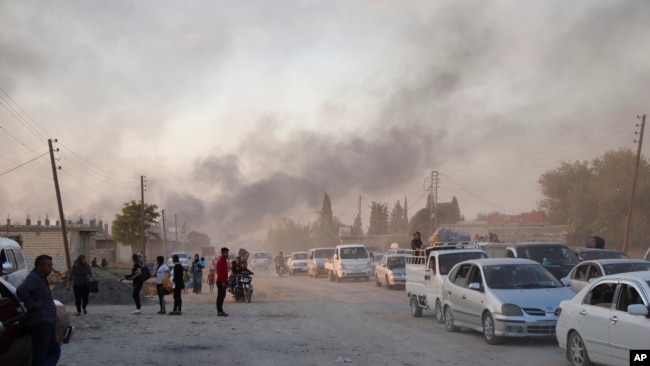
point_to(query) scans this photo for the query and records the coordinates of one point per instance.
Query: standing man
(40, 320)
(197, 274)
(416, 243)
(222, 279)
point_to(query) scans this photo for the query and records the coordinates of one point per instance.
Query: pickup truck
(348, 261)
(425, 274)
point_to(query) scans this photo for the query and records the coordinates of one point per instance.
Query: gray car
(502, 297)
(390, 271)
(587, 271)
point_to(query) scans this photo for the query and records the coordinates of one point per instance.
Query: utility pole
(636, 172)
(164, 232)
(359, 213)
(59, 202)
(176, 231)
(430, 205)
(435, 180)
(144, 239)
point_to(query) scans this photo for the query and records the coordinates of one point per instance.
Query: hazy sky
(254, 109)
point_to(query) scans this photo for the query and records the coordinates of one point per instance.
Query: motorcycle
(280, 269)
(243, 290)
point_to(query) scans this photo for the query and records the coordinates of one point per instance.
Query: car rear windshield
(550, 255)
(354, 253)
(395, 262)
(325, 253)
(448, 261)
(589, 255)
(259, 255)
(616, 268)
(300, 256)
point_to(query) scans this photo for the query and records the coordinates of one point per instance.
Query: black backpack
(145, 273)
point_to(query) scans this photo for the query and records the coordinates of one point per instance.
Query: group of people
(180, 279)
(94, 262)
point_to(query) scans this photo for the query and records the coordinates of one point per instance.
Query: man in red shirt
(222, 279)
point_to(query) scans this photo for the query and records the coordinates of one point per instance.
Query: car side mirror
(336, 257)
(476, 286)
(637, 309)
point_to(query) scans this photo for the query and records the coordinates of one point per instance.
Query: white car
(183, 259)
(391, 271)
(606, 319)
(502, 297)
(297, 263)
(587, 271)
(259, 260)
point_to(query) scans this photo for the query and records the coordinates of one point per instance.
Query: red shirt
(222, 269)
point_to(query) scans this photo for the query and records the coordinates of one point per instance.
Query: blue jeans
(46, 350)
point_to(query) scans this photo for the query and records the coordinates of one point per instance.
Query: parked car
(183, 259)
(15, 343)
(587, 271)
(606, 319)
(587, 254)
(316, 261)
(391, 271)
(502, 297)
(400, 251)
(297, 263)
(260, 260)
(13, 265)
(557, 258)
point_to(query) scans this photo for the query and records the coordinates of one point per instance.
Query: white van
(13, 265)
(316, 261)
(260, 260)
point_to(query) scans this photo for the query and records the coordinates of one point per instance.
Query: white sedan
(502, 297)
(587, 271)
(606, 319)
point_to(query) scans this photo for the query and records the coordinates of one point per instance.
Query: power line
(22, 165)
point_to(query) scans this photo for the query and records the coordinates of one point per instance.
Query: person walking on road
(40, 319)
(179, 285)
(79, 277)
(161, 272)
(222, 279)
(135, 276)
(197, 274)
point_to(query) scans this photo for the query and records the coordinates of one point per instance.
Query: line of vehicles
(595, 302)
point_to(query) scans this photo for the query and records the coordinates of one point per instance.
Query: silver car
(587, 271)
(391, 271)
(503, 297)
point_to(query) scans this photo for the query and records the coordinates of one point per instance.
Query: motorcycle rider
(279, 261)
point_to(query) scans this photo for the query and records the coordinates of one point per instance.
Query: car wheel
(416, 309)
(449, 320)
(576, 351)
(388, 285)
(377, 282)
(440, 317)
(489, 330)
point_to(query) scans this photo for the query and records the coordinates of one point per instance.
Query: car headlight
(511, 310)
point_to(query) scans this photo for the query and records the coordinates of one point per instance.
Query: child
(186, 279)
(211, 281)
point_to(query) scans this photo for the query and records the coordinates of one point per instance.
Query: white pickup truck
(348, 261)
(425, 274)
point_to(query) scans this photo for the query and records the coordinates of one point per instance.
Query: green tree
(378, 219)
(593, 198)
(289, 236)
(198, 240)
(357, 229)
(397, 223)
(127, 227)
(448, 212)
(421, 222)
(326, 227)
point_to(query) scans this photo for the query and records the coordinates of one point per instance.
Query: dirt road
(291, 321)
